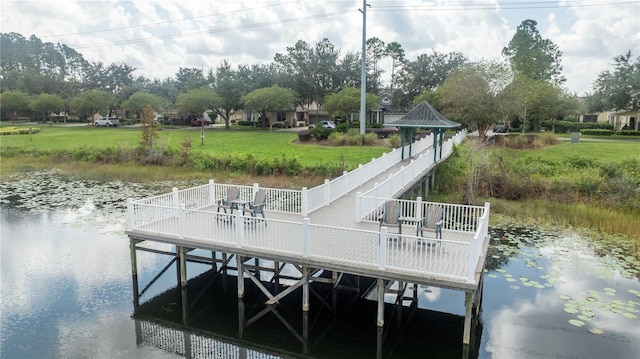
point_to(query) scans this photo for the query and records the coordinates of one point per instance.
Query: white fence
(398, 182)
(455, 217)
(180, 214)
(332, 190)
(282, 200)
(368, 250)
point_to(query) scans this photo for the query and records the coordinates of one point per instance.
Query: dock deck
(333, 227)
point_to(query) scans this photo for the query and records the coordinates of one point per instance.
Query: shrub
(548, 138)
(580, 162)
(342, 127)
(370, 139)
(18, 131)
(597, 132)
(535, 164)
(628, 133)
(394, 140)
(515, 141)
(386, 132)
(338, 138)
(596, 125)
(587, 182)
(304, 135)
(319, 132)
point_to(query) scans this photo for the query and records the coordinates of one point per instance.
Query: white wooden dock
(332, 227)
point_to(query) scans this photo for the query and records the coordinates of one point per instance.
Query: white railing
(476, 248)
(278, 200)
(456, 217)
(331, 190)
(398, 182)
(180, 214)
(306, 200)
(372, 250)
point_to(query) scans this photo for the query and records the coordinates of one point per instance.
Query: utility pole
(363, 69)
(524, 120)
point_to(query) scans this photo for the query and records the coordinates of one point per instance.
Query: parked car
(200, 121)
(500, 129)
(107, 122)
(328, 124)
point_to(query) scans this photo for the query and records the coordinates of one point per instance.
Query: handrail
(400, 254)
(398, 182)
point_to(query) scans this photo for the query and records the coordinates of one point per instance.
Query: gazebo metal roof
(423, 115)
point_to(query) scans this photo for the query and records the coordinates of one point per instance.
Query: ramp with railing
(298, 230)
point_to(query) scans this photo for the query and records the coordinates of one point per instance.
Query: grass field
(599, 151)
(217, 141)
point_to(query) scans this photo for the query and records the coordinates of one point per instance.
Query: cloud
(159, 37)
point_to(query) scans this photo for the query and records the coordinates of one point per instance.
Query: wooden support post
(134, 275)
(240, 260)
(276, 278)
(380, 319)
(183, 267)
(399, 300)
(379, 338)
(241, 320)
(335, 280)
(466, 336)
(185, 306)
(305, 332)
(225, 260)
(305, 289)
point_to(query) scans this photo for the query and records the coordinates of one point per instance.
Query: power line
(168, 21)
(465, 6)
(216, 30)
(499, 6)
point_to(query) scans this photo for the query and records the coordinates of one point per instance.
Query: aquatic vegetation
(555, 259)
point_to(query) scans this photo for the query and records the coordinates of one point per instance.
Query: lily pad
(576, 322)
(571, 310)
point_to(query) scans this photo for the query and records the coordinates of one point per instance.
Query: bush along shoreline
(572, 190)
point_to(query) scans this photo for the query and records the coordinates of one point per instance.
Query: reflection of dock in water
(207, 320)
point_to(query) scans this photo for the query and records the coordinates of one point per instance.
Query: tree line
(524, 86)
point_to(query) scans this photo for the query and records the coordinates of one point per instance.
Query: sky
(158, 37)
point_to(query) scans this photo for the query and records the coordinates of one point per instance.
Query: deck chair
(390, 216)
(257, 207)
(233, 193)
(432, 222)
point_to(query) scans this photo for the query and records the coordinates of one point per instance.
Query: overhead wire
(379, 7)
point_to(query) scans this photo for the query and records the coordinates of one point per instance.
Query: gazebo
(423, 116)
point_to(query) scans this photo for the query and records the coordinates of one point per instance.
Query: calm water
(66, 292)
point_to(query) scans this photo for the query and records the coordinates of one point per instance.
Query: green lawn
(217, 141)
(601, 152)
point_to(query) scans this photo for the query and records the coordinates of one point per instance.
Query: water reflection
(556, 301)
(66, 292)
(207, 317)
(66, 286)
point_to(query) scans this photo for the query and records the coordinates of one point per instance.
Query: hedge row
(569, 126)
(598, 132)
(18, 131)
